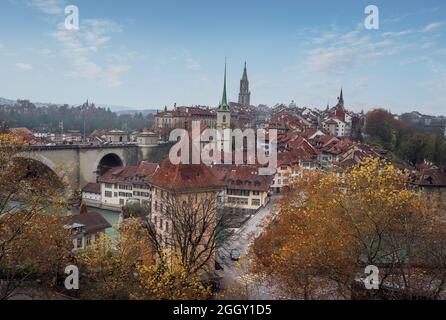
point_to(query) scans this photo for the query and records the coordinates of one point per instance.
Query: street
(237, 282)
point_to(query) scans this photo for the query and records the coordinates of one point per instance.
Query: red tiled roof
(131, 174)
(92, 221)
(92, 188)
(242, 177)
(432, 178)
(185, 177)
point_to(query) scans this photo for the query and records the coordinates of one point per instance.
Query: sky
(150, 54)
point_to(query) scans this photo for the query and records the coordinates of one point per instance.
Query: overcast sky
(149, 54)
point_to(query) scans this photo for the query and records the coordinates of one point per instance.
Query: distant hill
(120, 110)
(144, 112)
(7, 102)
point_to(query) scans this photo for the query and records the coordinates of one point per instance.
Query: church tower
(244, 98)
(223, 114)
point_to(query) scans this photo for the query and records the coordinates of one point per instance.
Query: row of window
(141, 194)
(110, 194)
(234, 192)
(243, 201)
(127, 187)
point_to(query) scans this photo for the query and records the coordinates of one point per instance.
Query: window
(233, 192)
(121, 202)
(79, 243)
(109, 186)
(88, 240)
(167, 226)
(255, 202)
(256, 193)
(224, 119)
(161, 224)
(108, 194)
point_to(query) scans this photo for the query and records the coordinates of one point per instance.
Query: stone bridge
(78, 165)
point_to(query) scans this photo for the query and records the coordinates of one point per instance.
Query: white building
(119, 185)
(91, 195)
(336, 127)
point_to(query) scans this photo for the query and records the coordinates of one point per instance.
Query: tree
(129, 270)
(382, 125)
(196, 228)
(109, 269)
(33, 241)
(331, 227)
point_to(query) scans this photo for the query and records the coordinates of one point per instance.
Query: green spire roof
(224, 101)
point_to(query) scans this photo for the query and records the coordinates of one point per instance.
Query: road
(236, 279)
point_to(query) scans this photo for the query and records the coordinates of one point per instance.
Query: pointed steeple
(341, 98)
(224, 101)
(245, 74)
(244, 97)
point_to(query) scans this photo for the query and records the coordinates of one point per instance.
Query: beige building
(121, 184)
(186, 192)
(146, 138)
(117, 136)
(182, 118)
(246, 191)
(86, 228)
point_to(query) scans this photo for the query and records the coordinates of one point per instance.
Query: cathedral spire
(224, 101)
(245, 74)
(244, 97)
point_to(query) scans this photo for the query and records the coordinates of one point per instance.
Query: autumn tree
(109, 269)
(33, 241)
(129, 269)
(382, 126)
(196, 228)
(331, 227)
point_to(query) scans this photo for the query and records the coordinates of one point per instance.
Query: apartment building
(121, 184)
(245, 190)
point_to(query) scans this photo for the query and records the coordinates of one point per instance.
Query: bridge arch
(107, 160)
(47, 163)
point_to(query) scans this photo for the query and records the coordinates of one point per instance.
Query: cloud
(347, 51)
(48, 6)
(192, 64)
(83, 45)
(24, 66)
(433, 27)
(397, 33)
